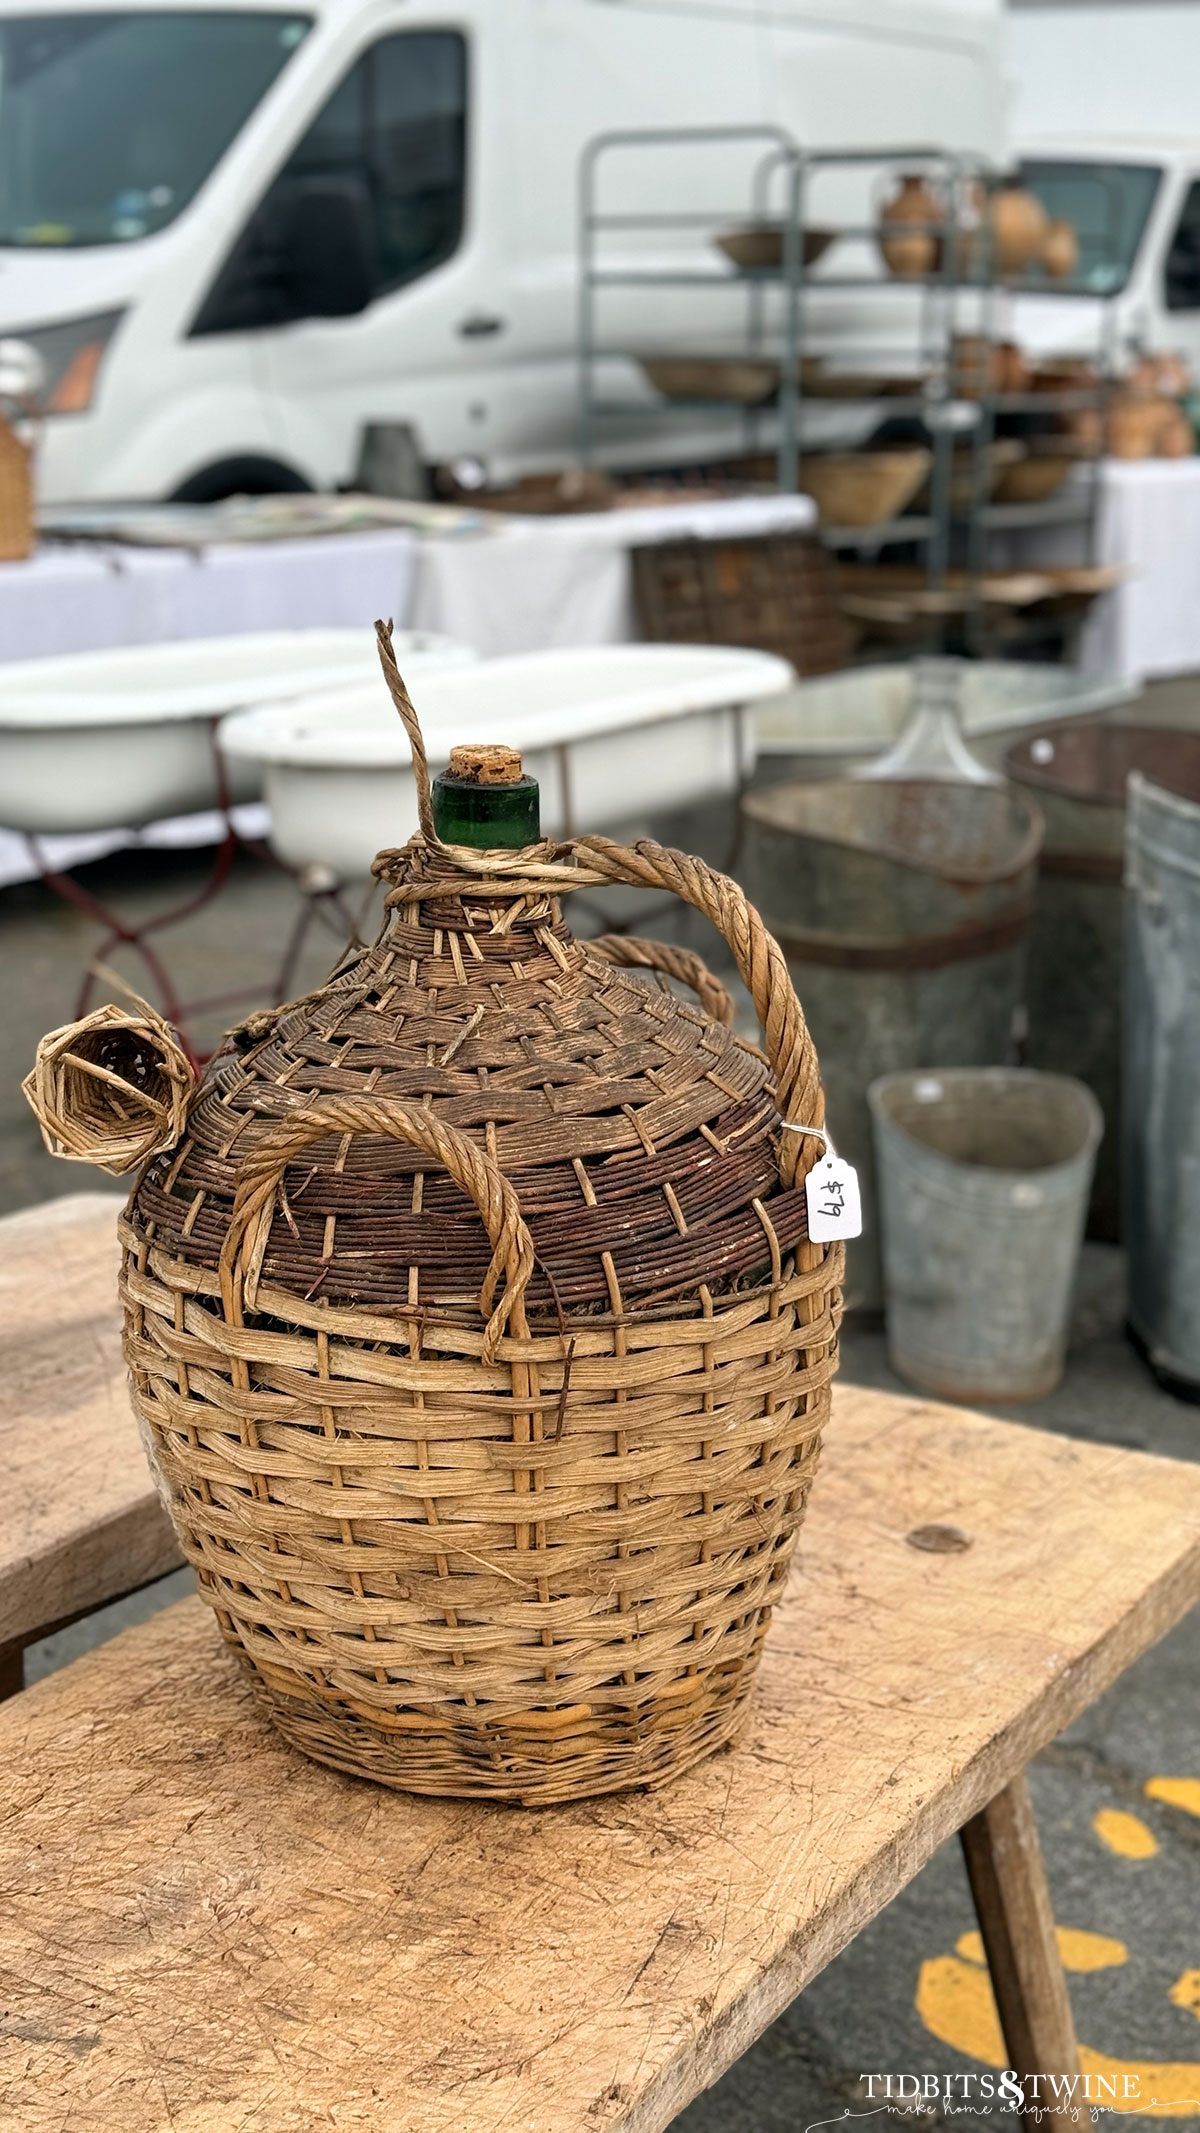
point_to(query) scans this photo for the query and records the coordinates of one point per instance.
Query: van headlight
(72, 354)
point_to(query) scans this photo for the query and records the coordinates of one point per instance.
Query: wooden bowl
(741, 378)
(1032, 478)
(1064, 374)
(863, 488)
(758, 248)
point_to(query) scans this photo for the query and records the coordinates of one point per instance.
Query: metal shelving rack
(779, 153)
(945, 529)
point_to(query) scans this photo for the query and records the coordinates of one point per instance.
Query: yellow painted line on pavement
(954, 2000)
(1175, 1792)
(1124, 1834)
(1079, 1951)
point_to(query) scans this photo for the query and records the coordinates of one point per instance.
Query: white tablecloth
(539, 582)
(80, 599)
(1149, 519)
(521, 585)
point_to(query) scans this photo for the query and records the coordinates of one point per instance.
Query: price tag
(834, 1205)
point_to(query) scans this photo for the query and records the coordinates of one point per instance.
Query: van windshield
(109, 123)
(1109, 204)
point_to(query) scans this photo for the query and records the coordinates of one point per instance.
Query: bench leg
(1012, 1903)
(12, 1669)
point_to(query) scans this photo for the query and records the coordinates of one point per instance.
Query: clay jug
(1019, 224)
(1060, 248)
(911, 252)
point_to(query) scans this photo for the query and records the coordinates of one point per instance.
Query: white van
(1127, 70)
(240, 233)
(1135, 203)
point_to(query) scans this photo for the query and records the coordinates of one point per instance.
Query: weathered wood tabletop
(79, 1518)
(203, 1932)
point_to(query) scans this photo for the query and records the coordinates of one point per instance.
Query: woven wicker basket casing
(476, 1340)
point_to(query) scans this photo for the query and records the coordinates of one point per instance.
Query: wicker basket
(777, 592)
(16, 497)
(746, 379)
(758, 247)
(1033, 478)
(863, 488)
(478, 1345)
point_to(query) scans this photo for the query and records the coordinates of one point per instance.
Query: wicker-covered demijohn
(477, 1340)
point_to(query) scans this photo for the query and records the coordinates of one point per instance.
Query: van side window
(372, 197)
(1182, 271)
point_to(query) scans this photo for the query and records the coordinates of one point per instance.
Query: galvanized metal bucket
(903, 910)
(1161, 1107)
(1079, 775)
(834, 725)
(983, 1179)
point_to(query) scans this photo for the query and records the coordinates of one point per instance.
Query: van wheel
(247, 475)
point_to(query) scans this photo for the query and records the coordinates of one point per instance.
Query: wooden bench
(204, 1932)
(80, 1522)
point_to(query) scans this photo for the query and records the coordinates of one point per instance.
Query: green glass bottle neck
(465, 811)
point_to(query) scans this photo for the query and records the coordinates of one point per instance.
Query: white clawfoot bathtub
(612, 734)
(114, 740)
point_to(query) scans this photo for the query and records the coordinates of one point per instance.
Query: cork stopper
(485, 763)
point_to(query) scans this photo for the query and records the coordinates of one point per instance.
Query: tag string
(789, 1126)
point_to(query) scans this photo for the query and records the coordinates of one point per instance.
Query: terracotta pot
(978, 365)
(910, 253)
(1174, 376)
(1133, 428)
(1060, 248)
(1142, 382)
(1175, 436)
(1084, 426)
(981, 366)
(1019, 225)
(1012, 370)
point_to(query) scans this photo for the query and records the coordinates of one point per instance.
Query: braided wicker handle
(629, 952)
(761, 966)
(469, 1165)
(759, 958)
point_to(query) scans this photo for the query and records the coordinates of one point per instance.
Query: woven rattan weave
(477, 1339)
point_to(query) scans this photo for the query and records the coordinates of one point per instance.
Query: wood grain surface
(79, 1519)
(203, 1932)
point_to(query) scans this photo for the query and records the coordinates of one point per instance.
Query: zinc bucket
(1161, 1096)
(903, 908)
(983, 1184)
(1078, 776)
(831, 726)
